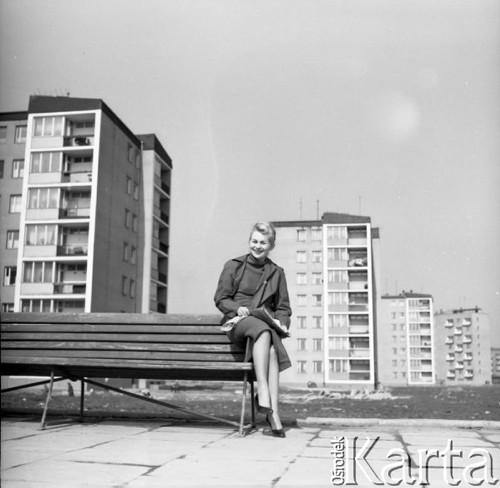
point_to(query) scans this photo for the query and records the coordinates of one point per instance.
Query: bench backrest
(118, 345)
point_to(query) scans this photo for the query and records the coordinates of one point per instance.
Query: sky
(285, 109)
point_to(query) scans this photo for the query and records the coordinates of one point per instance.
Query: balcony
(458, 331)
(459, 348)
(164, 247)
(359, 329)
(72, 250)
(449, 340)
(78, 140)
(359, 353)
(467, 340)
(75, 213)
(450, 357)
(469, 374)
(459, 366)
(448, 323)
(77, 177)
(69, 288)
(466, 322)
(450, 375)
(468, 356)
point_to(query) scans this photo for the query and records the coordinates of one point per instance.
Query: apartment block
(495, 365)
(12, 147)
(405, 340)
(463, 347)
(329, 266)
(82, 229)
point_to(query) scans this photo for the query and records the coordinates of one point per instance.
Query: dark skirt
(251, 327)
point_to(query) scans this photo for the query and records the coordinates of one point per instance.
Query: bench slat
(10, 356)
(136, 338)
(204, 329)
(111, 318)
(116, 346)
(133, 363)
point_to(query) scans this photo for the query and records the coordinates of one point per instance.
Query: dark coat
(272, 291)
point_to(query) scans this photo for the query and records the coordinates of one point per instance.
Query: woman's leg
(274, 385)
(260, 353)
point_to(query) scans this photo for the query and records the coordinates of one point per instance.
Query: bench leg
(82, 398)
(252, 396)
(243, 402)
(47, 400)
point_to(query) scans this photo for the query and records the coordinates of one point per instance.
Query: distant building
(12, 148)
(85, 210)
(405, 344)
(495, 365)
(463, 345)
(329, 264)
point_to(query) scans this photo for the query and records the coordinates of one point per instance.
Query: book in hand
(262, 314)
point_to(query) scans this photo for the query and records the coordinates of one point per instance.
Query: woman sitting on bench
(253, 284)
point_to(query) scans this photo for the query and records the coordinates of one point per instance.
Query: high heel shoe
(260, 408)
(275, 432)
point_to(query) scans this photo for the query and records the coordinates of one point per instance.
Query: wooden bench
(121, 345)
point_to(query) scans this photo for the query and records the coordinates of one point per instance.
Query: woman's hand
(243, 312)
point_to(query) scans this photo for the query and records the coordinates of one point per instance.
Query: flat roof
(151, 142)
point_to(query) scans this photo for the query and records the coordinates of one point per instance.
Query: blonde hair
(266, 229)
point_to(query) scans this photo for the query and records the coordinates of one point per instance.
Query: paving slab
(154, 454)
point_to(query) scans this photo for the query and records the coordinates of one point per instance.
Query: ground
(453, 403)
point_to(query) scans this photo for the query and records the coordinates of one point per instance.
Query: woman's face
(259, 246)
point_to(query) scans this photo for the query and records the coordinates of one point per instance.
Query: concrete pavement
(136, 453)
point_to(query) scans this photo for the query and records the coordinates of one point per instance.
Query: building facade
(80, 212)
(329, 265)
(463, 347)
(405, 343)
(495, 365)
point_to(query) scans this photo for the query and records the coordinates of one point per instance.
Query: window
(335, 233)
(2, 164)
(9, 275)
(317, 278)
(338, 343)
(129, 186)
(301, 344)
(3, 134)
(7, 307)
(338, 321)
(394, 363)
(338, 298)
(318, 321)
(301, 279)
(316, 234)
(17, 168)
(132, 289)
(317, 366)
(317, 344)
(339, 366)
(133, 255)
(317, 300)
(124, 286)
(136, 191)
(38, 272)
(41, 235)
(48, 126)
(301, 235)
(301, 322)
(134, 222)
(15, 204)
(35, 306)
(46, 162)
(128, 218)
(301, 367)
(301, 256)
(43, 198)
(12, 239)
(130, 153)
(20, 134)
(317, 257)
(125, 252)
(338, 276)
(301, 300)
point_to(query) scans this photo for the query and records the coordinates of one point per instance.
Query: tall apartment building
(463, 347)
(495, 365)
(329, 264)
(85, 210)
(405, 340)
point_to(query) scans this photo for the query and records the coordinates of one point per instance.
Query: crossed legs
(267, 372)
